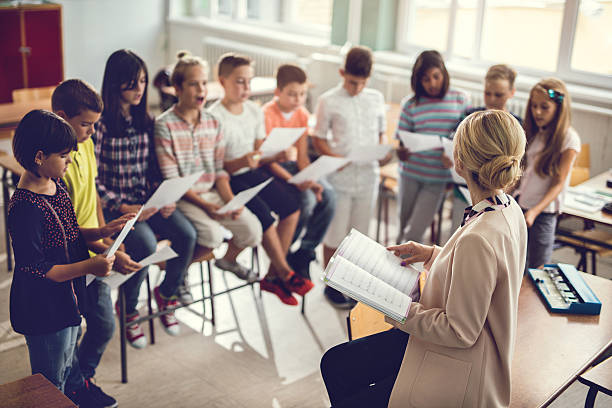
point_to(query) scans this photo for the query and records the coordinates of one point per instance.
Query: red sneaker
(134, 333)
(168, 320)
(277, 287)
(298, 284)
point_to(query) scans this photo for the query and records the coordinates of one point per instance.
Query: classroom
(292, 203)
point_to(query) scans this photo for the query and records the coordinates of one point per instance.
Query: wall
(92, 30)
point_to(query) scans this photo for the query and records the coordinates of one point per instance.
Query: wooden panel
(10, 59)
(43, 36)
(32, 94)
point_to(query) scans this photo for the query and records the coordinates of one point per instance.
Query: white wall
(93, 29)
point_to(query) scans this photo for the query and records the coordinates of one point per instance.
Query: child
(317, 198)
(432, 111)
(552, 147)
(243, 129)
(80, 105)
(127, 176)
(51, 260)
(356, 117)
(188, 139)
(498, 88)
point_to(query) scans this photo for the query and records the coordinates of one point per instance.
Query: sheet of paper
(280, 139)
(321, 167)
(115, 279)
(447, 145)
(126, 229)
(416, 142)
(243, 197)
(369, 153)
(171, 190)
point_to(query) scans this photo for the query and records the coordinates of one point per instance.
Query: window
(568, 38)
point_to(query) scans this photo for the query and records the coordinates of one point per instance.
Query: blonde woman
(455, 348)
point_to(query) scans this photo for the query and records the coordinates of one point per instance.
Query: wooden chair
(363, 321)
(581, 171)
(32, 94)
(580, 243)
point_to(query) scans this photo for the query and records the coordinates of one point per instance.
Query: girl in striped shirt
(432, 111)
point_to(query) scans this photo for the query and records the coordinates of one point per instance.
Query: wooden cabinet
(30, 47)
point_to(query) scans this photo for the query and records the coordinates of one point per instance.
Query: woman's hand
(412, 252)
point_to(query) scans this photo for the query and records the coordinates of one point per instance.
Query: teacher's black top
(39, 305)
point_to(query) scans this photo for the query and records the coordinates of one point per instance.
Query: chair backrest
(32, 94)
(581, 171)
(364, 321)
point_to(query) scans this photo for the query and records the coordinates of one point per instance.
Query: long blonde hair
(490, 144)
(547, 163)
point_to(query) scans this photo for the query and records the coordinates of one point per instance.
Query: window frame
(563, 70)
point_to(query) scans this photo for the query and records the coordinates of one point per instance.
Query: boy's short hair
(501, 71)
(230, 61)
(185, 60)
(45, 131)
(73, 96)
(358, 62)
(288, 73)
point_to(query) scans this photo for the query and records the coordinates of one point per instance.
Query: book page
(376, 260)
(360, 285)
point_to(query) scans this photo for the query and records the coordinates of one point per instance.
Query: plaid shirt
(184, 149)
(127, 167)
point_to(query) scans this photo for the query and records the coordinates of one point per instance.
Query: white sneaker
(237, 269)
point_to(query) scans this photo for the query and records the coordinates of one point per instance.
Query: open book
(366, 271)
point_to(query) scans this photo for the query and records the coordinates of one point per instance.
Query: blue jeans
(51, 354)
(142, 242)
(314, 216)
(540, 240)
(100, 328)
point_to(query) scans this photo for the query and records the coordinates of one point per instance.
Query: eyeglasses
(555, 95)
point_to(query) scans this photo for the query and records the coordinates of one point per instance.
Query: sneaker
(277, 287)
(184, 292)
(300, 260)
(135, 335)
(337, 299)
(299, 285)
(237, 269)
(168, 320)
(92, 396)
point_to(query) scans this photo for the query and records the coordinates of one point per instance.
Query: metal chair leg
(203, 290)
(212, 294)
(123, 335)
(150, 308)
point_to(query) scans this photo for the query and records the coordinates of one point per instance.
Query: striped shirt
(127, 166)
(431, 116)
(183, 149)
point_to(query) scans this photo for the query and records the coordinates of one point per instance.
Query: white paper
(321, 167)
(127, 228)
(447, 145)
(280, 139)
(369, 153)
(416, 142)
(115, 279)
(171, 190)
(242, 198)
(584, 199)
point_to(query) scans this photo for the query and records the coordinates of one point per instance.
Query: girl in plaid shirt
(127, 176)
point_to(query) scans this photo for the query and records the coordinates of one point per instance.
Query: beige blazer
(462, 332)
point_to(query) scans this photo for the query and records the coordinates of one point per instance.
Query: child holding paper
(189, 140)
(127, 176)
(318, 201)
(243, 128)
(432, 111)
(51, 259)
(355, 115)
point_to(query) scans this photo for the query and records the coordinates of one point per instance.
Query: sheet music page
(319, 168)
(416, 142)
(366, 288)
(369, 153)
(243, 197)
(280, 139)
(126, 229)
(171, 190)
(377, 261)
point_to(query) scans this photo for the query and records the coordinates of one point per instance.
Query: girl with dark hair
(51, 259)
(128, 174)
(432, 111)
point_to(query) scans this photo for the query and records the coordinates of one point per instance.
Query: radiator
(266, 59)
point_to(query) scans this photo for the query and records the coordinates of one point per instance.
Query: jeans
(142, 242)
(100, 328)
(362, 372)
(314, 216)
(51, 354)
(541, 237)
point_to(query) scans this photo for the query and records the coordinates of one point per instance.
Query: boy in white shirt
(350, 116)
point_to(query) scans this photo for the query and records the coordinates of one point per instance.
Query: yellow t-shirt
(81, 181)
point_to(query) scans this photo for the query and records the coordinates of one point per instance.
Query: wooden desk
(34, 391)
(597, 183)
(11, 113)
(553, 349)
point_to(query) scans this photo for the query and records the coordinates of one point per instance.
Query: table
(553, 349)
(597, 183)
(598, 378)
(34, 391)
(11, 113)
